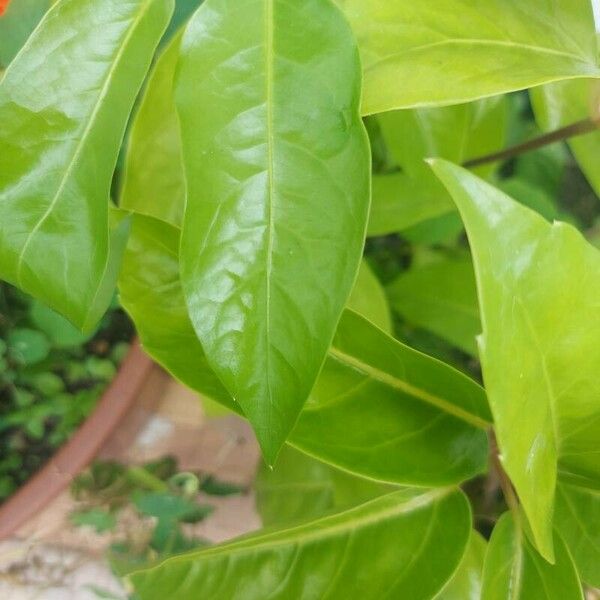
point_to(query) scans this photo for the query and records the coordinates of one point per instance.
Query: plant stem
(146, 479)
(505, 483)
(574, 129)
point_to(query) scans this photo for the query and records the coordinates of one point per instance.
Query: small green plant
(163, 501)
(285, 159)
(51, 376)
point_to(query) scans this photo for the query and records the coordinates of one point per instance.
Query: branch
(579, 128)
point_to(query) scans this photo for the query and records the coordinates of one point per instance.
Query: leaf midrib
(481, 42)
(407, 388)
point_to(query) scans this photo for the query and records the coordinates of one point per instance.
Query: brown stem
(505, 484)
(579, 128)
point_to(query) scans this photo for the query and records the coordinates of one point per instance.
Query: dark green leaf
(277, 170)
(28, 346)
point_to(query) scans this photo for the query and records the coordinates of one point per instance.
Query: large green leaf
(380, 409)
(538, 287)
(440, 297)
(16, 25)
(578, 521)
(450, 51)
(566, 102)
(386, 411)
(154, 182)
(401, 545)
(467, 581)
(64, 102)
(301, 487)
(513, 569)
(277, 169)
(369, 300)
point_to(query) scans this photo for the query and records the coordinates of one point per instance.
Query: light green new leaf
(467, 581)
(401, 200)
(380, 409)
(369, 300)
(577, 519)
(442, 298)
(154, 182)
(444, 52)
(538, 287)
(277, 168)
(301, 488)
(513, 570)
(456, 133)
(401, 545)
(64, 102)
(566, 102)
(16, 25)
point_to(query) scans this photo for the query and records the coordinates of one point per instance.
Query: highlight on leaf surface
(379, 409)
(354, 553)
(64, 103)
(277, 169)
(538, 286)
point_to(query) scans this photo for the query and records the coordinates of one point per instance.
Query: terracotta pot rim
(76, 454)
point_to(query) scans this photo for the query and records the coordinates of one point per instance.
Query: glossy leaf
(369, 300)
(150, 291)
(448, 51)
(301, 487)
(64, 102)
(538, 290)
(563, 103)
(442, 298)
(154, 182)
(352, 554)
(514, 570)
(380, 409)
(16, 25)
(277, 168)
(467, 581)
(578, 521)
(386, 411)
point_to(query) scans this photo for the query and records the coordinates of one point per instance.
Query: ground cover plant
(347, 222)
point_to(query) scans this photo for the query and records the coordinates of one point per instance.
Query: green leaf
(27, 346)
(301, 488)
(353, 554)
(16, 25)
(538, 290)
(383, 410)
(513, 569)
(369, 300)
(60, 131)
(456, 133)
(169, 506)
(277, 170)
(577, 519)
(442, 298)
(443, 52)
(467, 581)
(379, 409)
(402, 200)
(99, 519)
(566, 102)
(61, 333)
(154, 182)
(150, 291)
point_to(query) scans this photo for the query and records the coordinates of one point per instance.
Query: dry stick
(579, 128)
